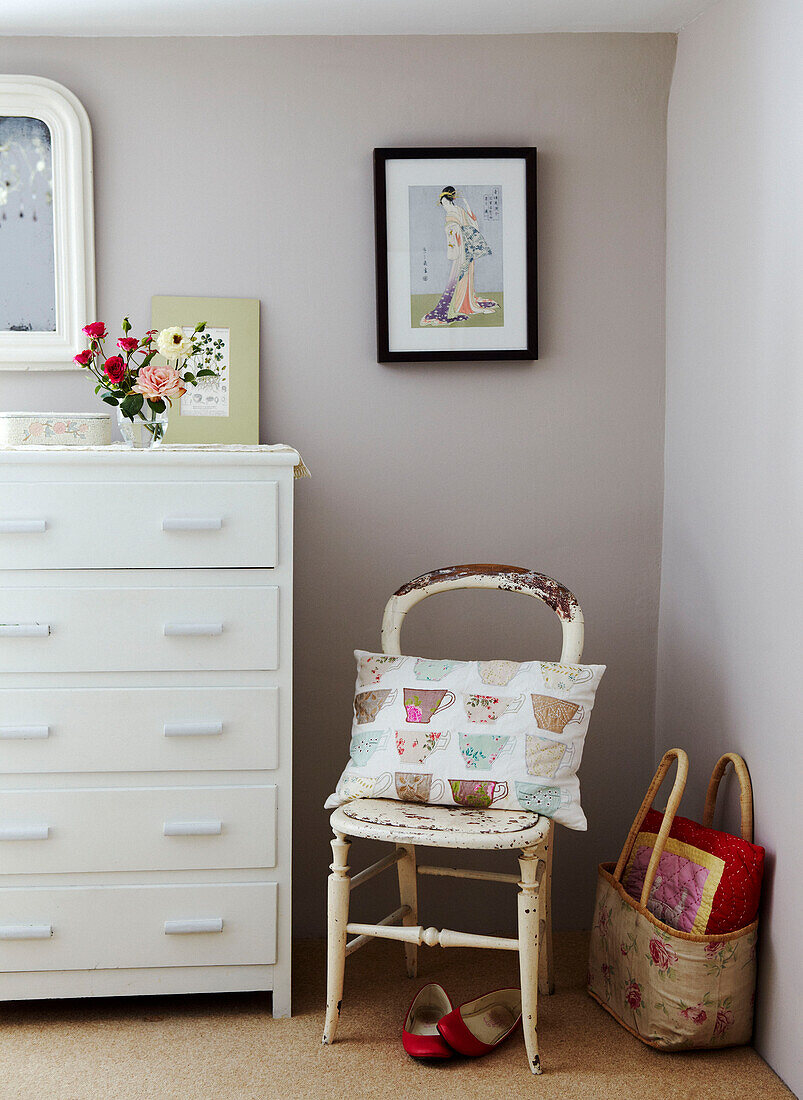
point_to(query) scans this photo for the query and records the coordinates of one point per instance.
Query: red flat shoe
(478, 1027)
(420, 1036)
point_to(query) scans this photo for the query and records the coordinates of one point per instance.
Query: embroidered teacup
(477, 794)
(540, 799)
(362, 786)
(433, 670)
(418, 787)
(367, 704)
(372, 668)
(488, 708)
(555, 714)
(421, 704)
(364, 745)
(564, 677)
(480, 750)
(497, 672)
(544, 756)
(414, 746)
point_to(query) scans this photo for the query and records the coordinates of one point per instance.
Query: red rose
(713, 949)
(95, 331)
(114, 368)
(633, 994)
(84, 358)
(127, 343)
(662, 955)
(723, 1021)
(695, 1013)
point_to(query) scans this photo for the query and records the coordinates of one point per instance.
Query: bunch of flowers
(130, 378)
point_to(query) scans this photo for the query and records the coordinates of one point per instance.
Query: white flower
(173, 344)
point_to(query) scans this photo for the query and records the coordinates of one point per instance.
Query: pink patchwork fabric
(678, 890)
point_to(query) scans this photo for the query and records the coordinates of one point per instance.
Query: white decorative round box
(55, 429)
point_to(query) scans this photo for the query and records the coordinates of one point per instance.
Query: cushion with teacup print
(477, 734)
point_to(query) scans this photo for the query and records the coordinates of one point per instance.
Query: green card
(223, 409)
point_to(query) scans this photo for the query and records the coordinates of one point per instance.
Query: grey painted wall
(729, 673)
(243, 167)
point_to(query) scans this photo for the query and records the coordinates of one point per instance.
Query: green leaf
(157, 406)
(207, 373)
(200, 326)
(189, 377)
(98, 386)
(131, 405)
(147, 359)
(107, 397)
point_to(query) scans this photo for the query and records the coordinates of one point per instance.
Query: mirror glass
(27, 243)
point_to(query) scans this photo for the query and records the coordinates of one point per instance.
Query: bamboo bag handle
(669, 817)
(745, 795)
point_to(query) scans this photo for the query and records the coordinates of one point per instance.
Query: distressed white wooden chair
(406, 825)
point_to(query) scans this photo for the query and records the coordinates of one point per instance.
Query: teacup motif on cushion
(564, 677)
(497, 672)
(367, 704)
(415, 745)
(418, 787)
(433, 670)
(489, 708)
(480, 750)
(555, 714)
(477, 794)
(364, 745)
(372, 668)
(363, 786)
(421, 704)
(540, 799)
(544, 756)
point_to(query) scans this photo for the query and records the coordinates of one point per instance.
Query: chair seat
(439, 826)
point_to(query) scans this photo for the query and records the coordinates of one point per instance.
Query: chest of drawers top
(112, 507)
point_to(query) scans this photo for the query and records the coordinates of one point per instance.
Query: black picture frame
(529, 350)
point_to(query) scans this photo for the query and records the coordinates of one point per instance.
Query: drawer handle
(22, 526)
(193, 729)
(177, 523)
(192, 828)
(26, 931)
(189, 927)
(24, 832)
(188, 630)
(24, 733)
(24, 630)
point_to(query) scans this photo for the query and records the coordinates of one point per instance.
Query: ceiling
(255, 17)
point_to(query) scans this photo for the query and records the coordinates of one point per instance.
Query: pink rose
(695, 1013)
(723, 1021)
(159, 383)
(84, 358)
(114, 368)
(633, 994)
(59, 427)
(95, 331)
(127, 343)
(662, 954)
(414, 714)
(713, 949)
(37, 428)
(602, 923)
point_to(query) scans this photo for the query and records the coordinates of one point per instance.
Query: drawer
(77, 629)
(145, 525)
(136, 829)
(103, 927)
(138, 729)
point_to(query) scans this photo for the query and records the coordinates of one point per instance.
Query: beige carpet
(227, 1046)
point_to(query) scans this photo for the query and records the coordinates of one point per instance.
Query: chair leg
(408, 895)
(546, 962)
(529, 862)
(337, 919)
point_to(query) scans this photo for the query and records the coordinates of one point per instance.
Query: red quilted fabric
(735, 903)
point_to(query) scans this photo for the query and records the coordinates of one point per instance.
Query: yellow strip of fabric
(713, 864)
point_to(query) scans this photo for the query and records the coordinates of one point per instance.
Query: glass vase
(146, 430)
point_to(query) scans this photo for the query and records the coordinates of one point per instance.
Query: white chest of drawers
(145, 721)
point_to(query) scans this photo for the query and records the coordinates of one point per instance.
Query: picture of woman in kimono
(464, 245)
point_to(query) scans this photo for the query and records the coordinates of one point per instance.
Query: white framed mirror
(47, 247)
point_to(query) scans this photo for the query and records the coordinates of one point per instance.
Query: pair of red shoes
(434, 1028)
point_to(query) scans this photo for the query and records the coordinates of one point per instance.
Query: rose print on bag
(724, 1018)
(662, 955)
(695, 1013)
(633, 994)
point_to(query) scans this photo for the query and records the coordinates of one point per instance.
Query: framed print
(224, 409)
(47, 250)
(455, 254)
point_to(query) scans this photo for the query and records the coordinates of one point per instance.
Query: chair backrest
(507, 578)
